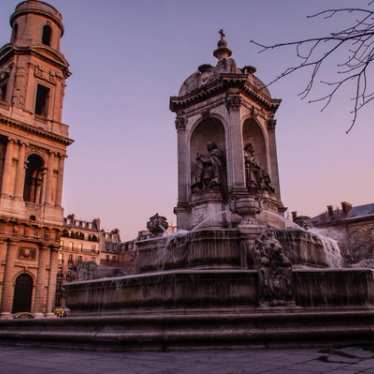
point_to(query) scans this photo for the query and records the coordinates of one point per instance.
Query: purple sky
(128, 57)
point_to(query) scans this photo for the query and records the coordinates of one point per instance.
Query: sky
(128, 57)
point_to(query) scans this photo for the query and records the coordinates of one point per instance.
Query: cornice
(40, 51)
(34, 130)
(220, 85)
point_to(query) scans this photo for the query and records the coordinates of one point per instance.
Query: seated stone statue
(209, 174)
(257, 179)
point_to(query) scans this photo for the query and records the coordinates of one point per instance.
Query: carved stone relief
(28, 254)
(274, 270)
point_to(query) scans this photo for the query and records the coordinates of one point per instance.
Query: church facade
(33, 146)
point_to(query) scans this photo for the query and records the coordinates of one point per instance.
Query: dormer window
(42, 101)
(47, 35)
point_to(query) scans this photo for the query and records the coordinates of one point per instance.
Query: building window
(34, 179)
(4, 78)
(47, 35)
(42, 101)
(79, 259)
(15, 32)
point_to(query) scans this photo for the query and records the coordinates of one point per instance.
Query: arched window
(15, 32)
(47, 35)
(4, 78)
(34, 179)
(22, 294)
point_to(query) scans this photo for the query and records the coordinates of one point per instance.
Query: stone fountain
(236, 272)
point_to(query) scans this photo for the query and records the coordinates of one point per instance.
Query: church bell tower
(33, 144)
(227, 157)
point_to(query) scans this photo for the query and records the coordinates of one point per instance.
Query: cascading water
(176, 242)
(331, 247)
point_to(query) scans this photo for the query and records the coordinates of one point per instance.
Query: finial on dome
(222, 51)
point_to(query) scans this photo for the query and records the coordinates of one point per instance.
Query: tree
(356, 40)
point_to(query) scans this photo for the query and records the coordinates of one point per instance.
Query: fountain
(236, 271)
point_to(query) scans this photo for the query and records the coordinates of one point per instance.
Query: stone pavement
(345, 360)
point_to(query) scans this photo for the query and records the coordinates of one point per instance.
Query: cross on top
(221, 32)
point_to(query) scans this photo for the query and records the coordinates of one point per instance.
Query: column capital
(60, 155)
(271, 124)
(22, 142)
(233, 103)
(181, 122)
(12, 140)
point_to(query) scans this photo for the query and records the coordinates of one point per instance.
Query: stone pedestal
(208, 210)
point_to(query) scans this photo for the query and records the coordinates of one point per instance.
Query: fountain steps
(211, 329)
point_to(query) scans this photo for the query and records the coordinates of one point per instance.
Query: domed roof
(37, 7)
(226, 64)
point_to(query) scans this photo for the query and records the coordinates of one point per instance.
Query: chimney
(330, 211)
(346, 207)
(294, 216)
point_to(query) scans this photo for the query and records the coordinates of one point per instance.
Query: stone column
(53, 269)
(3, 254)
(271, 124)
(236, 161)
(21, 169)
(44, 187)
(7, 184)
(181, 210)
(180, 125)
(61, 162)
(49, 193)
(40, 299)
(8, 286)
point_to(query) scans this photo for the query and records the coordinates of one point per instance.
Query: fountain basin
(213, 248)
(187, 290)
(177, 289)
(303, 248)
(226, 248)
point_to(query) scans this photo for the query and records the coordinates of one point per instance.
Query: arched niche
(209, 130)
(253, 133)
(34, 179)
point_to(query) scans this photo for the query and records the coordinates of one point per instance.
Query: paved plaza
(345, 360)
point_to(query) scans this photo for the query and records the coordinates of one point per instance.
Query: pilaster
(40, 299)
(7, 185)
(8, 282)
(21, 169)
(59, 187)
(236, 159)
(50, 182)
(271, 125)
(3, 254)
(52, 280)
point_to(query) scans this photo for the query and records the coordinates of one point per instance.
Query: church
(33, 148)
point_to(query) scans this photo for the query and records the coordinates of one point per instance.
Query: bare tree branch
(356, 40)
